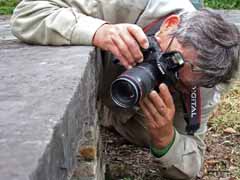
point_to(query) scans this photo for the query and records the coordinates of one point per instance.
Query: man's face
(188, 77)
(187, 74)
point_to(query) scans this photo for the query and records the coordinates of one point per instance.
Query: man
(209, 45)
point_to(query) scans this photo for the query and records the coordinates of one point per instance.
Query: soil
(125, 161)
(129, 162)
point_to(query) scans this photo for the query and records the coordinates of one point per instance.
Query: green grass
(7, 6)
(222, 4)
(227, 114)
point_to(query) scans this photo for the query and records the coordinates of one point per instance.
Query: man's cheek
(186, 79)
(184, 75)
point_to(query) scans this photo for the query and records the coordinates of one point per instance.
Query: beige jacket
(60, 22)
(66, 22)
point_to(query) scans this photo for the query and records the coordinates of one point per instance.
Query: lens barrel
(134, 84)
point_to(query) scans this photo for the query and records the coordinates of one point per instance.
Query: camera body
(157, 67)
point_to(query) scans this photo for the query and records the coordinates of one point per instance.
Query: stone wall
(49, 111)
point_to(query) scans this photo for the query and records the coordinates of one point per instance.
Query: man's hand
(122, 40)
(159, 110)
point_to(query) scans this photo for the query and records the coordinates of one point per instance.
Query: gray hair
(216, 41)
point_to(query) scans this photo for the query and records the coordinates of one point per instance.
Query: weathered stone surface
(48, 104)
(87, 169)
(232, 16)
(5, 29)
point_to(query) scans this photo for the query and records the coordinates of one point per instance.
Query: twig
(217, 170)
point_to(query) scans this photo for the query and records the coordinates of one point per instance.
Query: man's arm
(77, 22)
(64, 22)
(59, 22)
(55, 22)
(183, 157)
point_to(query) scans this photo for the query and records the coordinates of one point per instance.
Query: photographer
(209, 46)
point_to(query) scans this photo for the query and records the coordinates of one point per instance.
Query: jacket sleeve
(185, 158)
(63, 22)
(55, 22)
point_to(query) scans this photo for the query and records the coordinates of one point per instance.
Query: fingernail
(157, 38)
(129, 67)
(140, 60)
(155, 92)
(146, 45)
(162, 85)
(152, 92)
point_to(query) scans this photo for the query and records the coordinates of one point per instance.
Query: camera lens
(133, 84)
(125, 93)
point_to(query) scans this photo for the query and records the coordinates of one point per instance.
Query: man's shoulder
(161, 8)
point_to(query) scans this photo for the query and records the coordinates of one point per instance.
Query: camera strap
(155, 25)
(191, 103)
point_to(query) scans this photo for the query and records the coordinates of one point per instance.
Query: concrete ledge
(232, 16)
(48, 111)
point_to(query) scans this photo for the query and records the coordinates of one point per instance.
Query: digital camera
(157, 67)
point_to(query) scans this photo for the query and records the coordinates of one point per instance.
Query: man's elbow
(16, 27)
(18, 23)
(177, 174)
(23, 25)
(189, 168)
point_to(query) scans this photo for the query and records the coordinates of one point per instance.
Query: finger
(124, 62)
(123, 48)
(153, 111)
(166, 96)
(149, 119)
(132, 46)
(139, 35)
(113, 49)
(158, 103)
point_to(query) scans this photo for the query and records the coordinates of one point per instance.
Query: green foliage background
(7, 6)
(222, 4)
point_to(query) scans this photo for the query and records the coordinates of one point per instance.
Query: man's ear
(170, 22)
